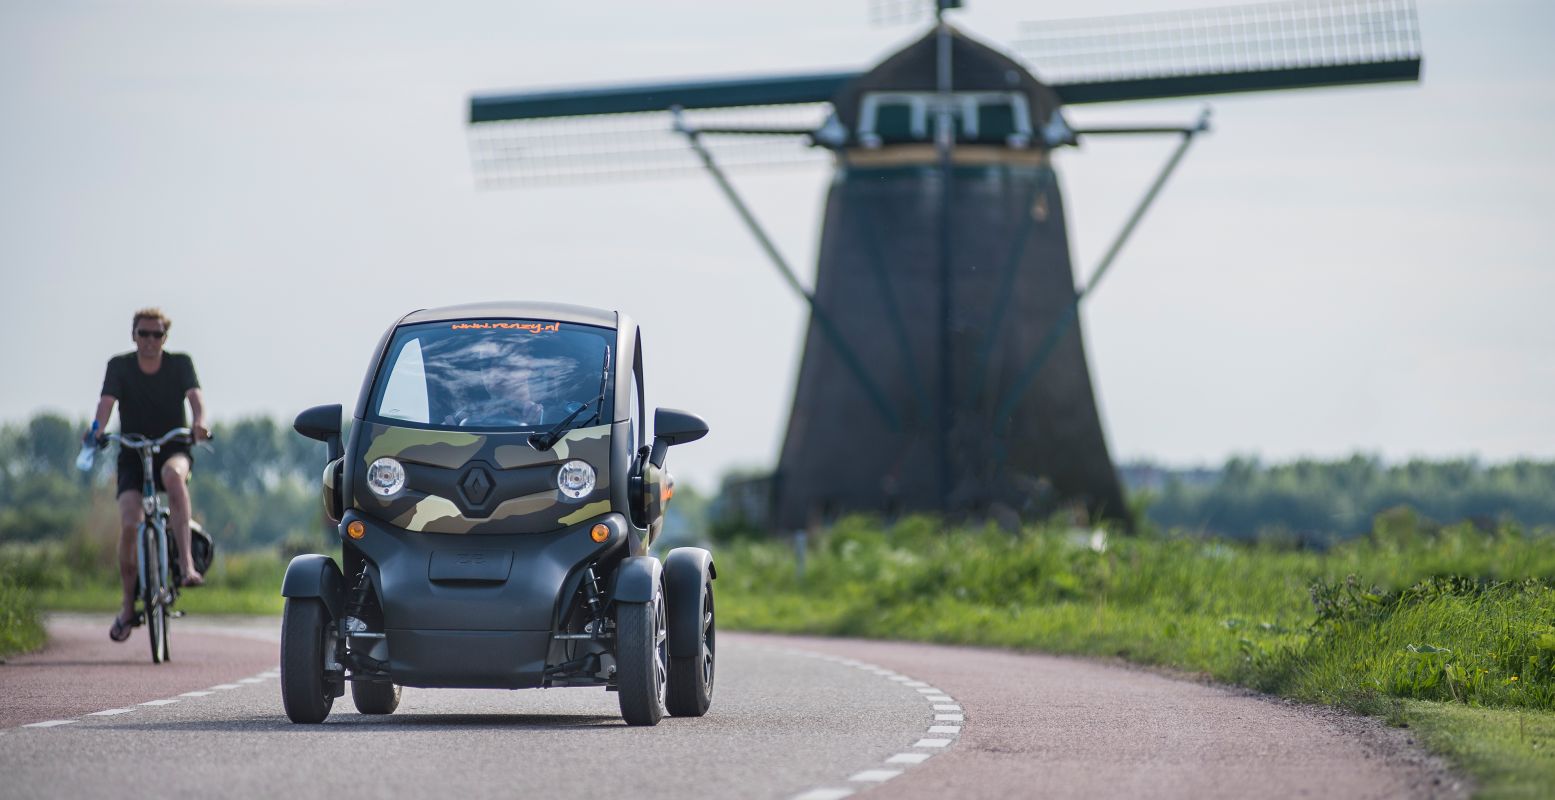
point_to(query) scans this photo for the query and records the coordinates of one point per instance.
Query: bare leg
(175, 478)
(130, 515)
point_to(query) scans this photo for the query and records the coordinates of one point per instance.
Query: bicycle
(155, 555)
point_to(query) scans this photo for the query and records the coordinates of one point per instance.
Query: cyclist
(150, 386)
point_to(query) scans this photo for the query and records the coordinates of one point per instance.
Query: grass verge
(20, 628)
(1448, 631)
(66, 578)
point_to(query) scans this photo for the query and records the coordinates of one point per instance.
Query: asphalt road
(791, 718)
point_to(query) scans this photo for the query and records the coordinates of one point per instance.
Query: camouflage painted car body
(474, 575)
(486, 483)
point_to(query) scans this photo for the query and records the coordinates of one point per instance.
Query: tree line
(258, 486)
(1314, 501)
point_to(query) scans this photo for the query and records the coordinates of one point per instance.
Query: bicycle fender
(316, 575)
(686, 571)
(637, 579)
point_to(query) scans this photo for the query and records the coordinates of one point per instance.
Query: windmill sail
(626, 131)
(1251, 48)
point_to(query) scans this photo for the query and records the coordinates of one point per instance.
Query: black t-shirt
(150, 405)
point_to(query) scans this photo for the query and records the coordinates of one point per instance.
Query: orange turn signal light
(600, 532)
(356, 529)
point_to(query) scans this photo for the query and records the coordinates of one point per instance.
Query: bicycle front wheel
(152, 592)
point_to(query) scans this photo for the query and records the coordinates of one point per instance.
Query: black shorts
(129, 467)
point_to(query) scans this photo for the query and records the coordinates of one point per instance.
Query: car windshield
(494, 374)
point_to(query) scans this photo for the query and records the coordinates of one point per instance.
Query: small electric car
(495, 498)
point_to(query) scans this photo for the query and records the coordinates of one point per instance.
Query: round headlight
(385, 477)
(575, 479)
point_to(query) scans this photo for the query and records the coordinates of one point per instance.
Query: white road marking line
(225, 686)
(110, 712)
(51, 723)
(824, 794)
(929, 693)
(249, 680)
(269, 674)
(195, 694)
(164, 702)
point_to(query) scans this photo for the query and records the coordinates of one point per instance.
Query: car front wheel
(641, 660)
(306, 692)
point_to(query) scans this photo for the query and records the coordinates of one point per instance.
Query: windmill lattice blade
(900, 12)
(625, 146)
(1231, 49)
(766, 90)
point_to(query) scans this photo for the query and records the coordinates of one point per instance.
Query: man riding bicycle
(150, 387)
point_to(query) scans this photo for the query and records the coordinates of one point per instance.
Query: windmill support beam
(1066, 321)
(944, 145)
(854, 365)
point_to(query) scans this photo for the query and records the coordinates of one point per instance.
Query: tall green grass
(21, 629)
(1454, 616)
(82, 575)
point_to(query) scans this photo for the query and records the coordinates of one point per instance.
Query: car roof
(560, 312)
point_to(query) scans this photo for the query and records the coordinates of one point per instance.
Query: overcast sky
(1330, 271)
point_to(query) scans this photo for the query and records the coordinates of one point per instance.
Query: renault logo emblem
(476, 486)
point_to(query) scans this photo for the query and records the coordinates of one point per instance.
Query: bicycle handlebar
(137, 442)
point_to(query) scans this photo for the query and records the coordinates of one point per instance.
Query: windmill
(943, 369)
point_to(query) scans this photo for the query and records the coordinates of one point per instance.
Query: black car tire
(690, 691)
(305, 693)
(371, 697)
(641, 656)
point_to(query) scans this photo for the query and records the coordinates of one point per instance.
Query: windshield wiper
(547, 440)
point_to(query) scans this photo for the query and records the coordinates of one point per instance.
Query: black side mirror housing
(674, 427)
(322, 423)
(677, 427)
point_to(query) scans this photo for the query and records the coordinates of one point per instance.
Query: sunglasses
(145, 334)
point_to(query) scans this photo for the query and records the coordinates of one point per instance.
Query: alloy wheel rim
(707, 639)
(660, 635)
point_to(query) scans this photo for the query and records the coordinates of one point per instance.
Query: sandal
(121, 629)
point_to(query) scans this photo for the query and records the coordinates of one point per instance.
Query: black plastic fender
(316, 575)
(686, 571)
(636, 579)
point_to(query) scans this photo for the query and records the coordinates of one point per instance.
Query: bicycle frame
(153, 560)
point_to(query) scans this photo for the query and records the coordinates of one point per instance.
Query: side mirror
(323, 424)
(674, 427)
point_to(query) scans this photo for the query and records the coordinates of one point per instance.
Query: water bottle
(88, 452)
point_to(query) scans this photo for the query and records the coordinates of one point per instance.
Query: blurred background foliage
(256, 486)
(1318, 501)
